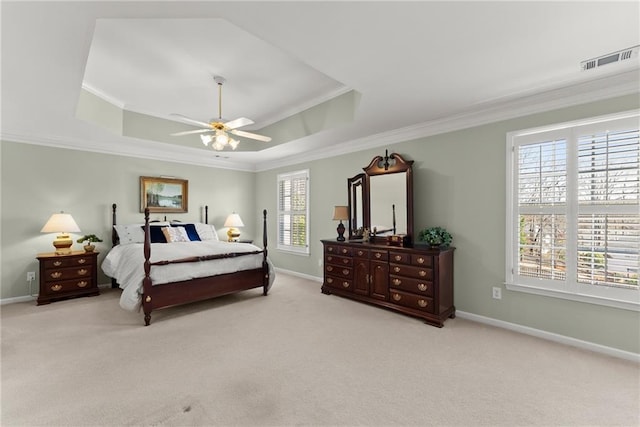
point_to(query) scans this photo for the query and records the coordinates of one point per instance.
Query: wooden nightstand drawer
(67, 273)
(66, 276)
(64, 286)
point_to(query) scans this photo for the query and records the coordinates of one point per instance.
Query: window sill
(293, 251)
(625, 305)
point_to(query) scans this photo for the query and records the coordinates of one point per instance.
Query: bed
(155, 275)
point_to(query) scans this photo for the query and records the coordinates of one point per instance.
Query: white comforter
(125, 263)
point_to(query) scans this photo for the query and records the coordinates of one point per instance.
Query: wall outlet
(31, 276)
(496, 293)
(320, 262)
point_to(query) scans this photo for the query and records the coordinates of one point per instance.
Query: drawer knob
(396, 297)
(82, 271)
(398, 257)
(422, 287)
(329, 249)
(344, 251)
(345, 261)
(360, 253)
(345, 284)
(396, 269)
(57, 263)
(420, 260)
(396, 282)
(56, 275)
(345, 272)
(82, 261)
(422, 303)
(422, 273)
(83, 284)
(56, 288)
(329, 280)
(329, 258)
(378, 255)
(329, 268)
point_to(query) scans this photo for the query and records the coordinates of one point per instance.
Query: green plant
(435, 236)
(91, 238)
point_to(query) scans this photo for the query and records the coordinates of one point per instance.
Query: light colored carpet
(295, 357)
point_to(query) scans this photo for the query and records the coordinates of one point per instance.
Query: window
(573, 211)
(293, 212)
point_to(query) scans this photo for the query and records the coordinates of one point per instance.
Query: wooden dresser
(416, 281)
(66, 276)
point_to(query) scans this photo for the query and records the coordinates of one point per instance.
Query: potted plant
(89, 238)
(435, 236)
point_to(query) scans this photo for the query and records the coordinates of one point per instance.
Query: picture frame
(164, 195)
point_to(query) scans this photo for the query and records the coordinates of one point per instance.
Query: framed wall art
(168, 195)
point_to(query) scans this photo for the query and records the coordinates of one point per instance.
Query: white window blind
(293, 211)
(573, 210)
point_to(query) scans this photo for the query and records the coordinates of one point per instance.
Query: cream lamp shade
(340, 213)
(64, 224)
(233, 221)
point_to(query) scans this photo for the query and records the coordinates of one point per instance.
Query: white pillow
(175, 234)
(206, 231)
(133, 233)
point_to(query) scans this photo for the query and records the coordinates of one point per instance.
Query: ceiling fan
(217, 130)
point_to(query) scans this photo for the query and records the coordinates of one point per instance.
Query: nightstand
(67, 276)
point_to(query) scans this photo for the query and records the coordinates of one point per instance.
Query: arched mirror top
(389, 197)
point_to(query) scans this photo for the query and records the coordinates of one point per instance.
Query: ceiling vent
(621, 55)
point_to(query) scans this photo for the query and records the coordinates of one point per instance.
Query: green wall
(459, 183)
(38, 181)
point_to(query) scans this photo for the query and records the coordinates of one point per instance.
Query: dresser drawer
(339, 271)
(338, 250)
(425, 273)
(339, 283)
(57, 274)
(67, 262)
(400, 257)
(62, 286)
(338, 261)
(416, 286)
(422, 260)
(417, 302)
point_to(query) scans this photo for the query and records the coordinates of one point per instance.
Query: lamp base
(340, 230)
(233, 234)
(63, 244)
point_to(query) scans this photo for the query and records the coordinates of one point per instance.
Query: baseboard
(27, 298)
(610, 351)
(297, 274)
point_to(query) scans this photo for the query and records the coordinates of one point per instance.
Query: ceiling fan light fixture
(222, 137)
(206, 139)
(217, 146)
(234, 143)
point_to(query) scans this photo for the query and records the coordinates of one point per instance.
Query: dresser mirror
(388, 195)
(357, 205)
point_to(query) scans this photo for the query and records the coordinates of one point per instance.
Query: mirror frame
(390, 164)
(352, 185)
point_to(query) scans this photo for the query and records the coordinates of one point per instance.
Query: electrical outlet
(320, 262)
(497, 292)
(31, 275)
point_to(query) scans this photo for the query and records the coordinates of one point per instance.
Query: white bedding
(125, 264)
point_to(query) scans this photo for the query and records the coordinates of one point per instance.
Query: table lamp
(64, 224)
(232, 222)
(340, 213)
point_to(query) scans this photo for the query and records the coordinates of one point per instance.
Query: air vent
(621, 55)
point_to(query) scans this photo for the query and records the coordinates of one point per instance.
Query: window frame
(569, 288)
(288, 176)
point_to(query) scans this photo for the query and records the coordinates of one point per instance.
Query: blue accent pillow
(191, 231)
(155, 234)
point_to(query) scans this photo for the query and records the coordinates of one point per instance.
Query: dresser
(417, 281)
(67, 276)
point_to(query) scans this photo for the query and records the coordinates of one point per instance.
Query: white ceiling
(420, 67)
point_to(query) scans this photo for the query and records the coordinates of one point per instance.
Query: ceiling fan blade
(238, 123)
(190, 132)
(186, 119)
(250, 135)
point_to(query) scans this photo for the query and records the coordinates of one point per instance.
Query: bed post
(115, 239)
(206, 214)
(146, 282)
(265, 265)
